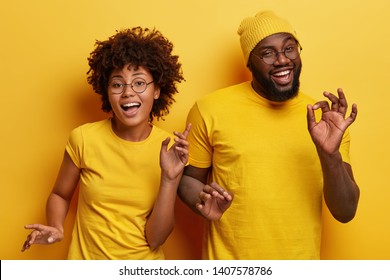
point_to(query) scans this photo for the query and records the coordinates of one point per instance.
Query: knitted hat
(254, 29)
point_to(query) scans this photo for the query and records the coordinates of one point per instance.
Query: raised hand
(327, 133)
(214, 201)
(42, 234)
(173, 160)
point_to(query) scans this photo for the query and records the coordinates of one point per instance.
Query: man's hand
(214, 201)
(328, 132)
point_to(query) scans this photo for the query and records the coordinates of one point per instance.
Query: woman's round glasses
(138, 85)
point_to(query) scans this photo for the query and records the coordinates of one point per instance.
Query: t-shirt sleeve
(74, 146)
(200, 149)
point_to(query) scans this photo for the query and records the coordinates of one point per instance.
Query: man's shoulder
(223, 93)
(307, 98)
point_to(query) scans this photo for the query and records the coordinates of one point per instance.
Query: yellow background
(44, 94)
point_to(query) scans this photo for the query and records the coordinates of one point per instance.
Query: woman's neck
(131, 133)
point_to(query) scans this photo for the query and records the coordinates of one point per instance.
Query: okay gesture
(328, 132)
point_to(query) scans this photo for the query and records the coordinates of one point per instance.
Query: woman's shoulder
(93, 125)
(91, 129)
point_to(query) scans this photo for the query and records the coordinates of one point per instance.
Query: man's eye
(268, 53)
(290, 49)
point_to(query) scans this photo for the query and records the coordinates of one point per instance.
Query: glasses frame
(131, 86)
(299, 48)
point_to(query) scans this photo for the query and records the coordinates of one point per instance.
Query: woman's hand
(42, 234)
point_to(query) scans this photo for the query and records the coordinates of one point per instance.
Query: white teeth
(131, 104)
(282, 73)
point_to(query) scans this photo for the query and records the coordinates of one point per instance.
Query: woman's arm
(56, 207)
(161, 221)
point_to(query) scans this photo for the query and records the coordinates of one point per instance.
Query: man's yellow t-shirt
(263, 153)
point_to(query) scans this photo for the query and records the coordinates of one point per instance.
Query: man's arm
(341, 192)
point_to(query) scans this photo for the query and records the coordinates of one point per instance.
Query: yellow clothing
(262, 152)
(119, 184)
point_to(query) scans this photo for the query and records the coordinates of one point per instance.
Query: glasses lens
(138, 85)
(292, 52)
(116, 86)
(270, 59)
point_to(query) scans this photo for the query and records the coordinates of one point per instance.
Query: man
(253, 142)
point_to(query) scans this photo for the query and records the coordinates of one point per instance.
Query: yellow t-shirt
(118, 186)
(263, 153)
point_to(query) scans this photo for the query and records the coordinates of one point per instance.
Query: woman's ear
(156, 93)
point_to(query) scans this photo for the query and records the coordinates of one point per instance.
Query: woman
(126, 173)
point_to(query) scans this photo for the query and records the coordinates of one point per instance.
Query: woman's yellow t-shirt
(119, 184)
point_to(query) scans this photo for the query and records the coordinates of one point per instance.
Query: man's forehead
(275, 39)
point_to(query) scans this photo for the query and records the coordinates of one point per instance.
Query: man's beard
(272, 93)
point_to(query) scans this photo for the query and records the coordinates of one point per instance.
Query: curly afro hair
(138, 47)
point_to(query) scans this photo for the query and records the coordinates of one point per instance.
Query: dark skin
(341, 192)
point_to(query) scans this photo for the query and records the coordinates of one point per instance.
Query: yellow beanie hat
(254, 29)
